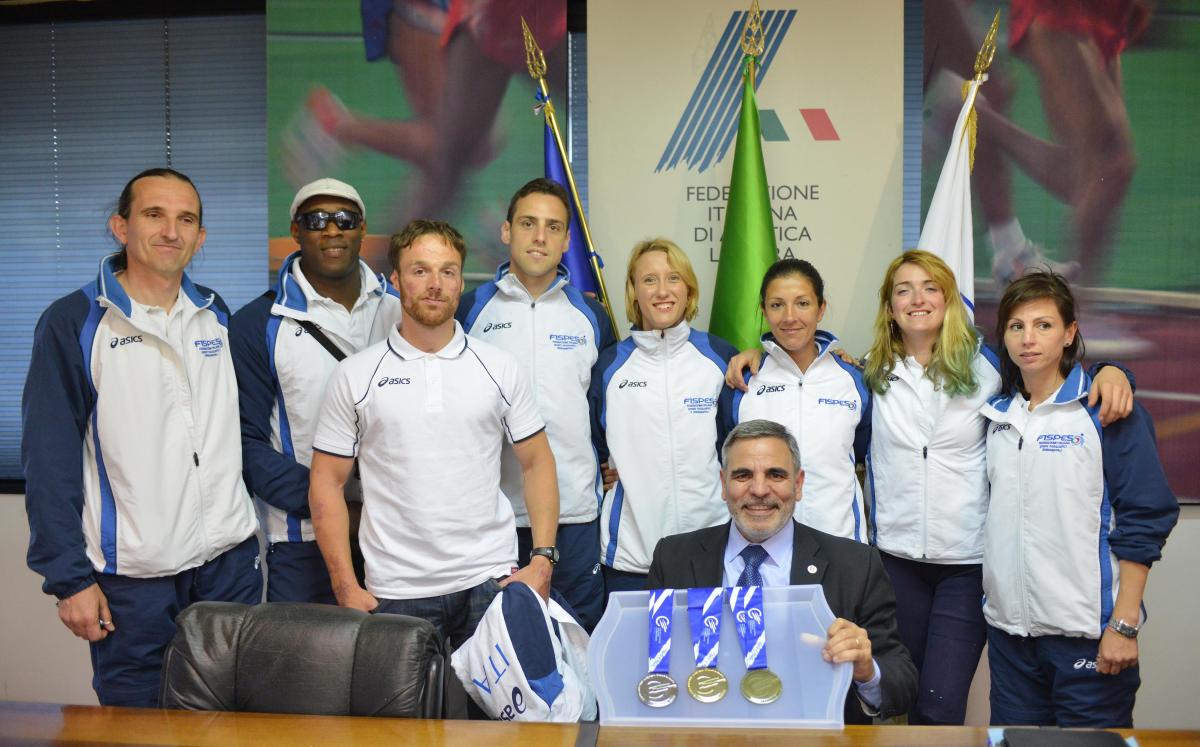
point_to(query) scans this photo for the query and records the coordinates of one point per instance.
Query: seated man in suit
(763, 545)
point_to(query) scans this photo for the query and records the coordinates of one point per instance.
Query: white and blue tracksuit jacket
(926, 465)
(1068, 500)
(130, 448)
(828, 410)
(557, 338)
(654, 399)
(282, 372)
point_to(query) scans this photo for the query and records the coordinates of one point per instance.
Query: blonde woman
(654, 410)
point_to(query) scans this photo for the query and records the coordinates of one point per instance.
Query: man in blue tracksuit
(130, 446)
(326, 304)
(556, 332)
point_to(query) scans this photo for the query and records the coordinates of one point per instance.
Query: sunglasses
(316, 220)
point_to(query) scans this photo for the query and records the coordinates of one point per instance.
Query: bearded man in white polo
(425, 413)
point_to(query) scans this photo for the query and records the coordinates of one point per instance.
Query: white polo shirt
(427, 429)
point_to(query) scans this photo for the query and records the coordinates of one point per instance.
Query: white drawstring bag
(527, 661)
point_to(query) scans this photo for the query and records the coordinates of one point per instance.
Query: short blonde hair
(678, 262)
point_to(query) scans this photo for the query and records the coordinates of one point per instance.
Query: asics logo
(768, 389)
(117, 341)
(631, 384)
(389, 380)
(496, 325)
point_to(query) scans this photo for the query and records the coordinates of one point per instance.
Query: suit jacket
(851, 575)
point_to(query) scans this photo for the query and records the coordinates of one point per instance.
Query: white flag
(948, 231)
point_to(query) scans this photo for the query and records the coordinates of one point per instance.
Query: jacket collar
(508, 284)
(1074, 388)
(825, 341)
(708, 565)
(663, 342)
(113, 293)
(292, 297)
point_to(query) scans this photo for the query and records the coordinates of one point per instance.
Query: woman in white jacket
(1078, 514)
(653, 400)
(819, 397)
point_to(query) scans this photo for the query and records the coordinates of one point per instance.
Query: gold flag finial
(534, 59)
(987, 52)
(753, 40)
(983, 61)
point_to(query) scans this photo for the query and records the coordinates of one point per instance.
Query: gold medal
(761, 686)
(707, 685)
(657, 690)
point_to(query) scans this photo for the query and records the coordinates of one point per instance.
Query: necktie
(754, 555)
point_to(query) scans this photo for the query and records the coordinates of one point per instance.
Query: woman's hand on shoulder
(1111, 388)
(747, 359)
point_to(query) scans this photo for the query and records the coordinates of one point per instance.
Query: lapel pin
(812, 569)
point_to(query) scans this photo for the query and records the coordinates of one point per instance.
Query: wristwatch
(1123, 628)
(549, 553)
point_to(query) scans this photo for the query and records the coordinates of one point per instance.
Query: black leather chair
(307, 658)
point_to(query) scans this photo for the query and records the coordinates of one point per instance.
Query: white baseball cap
(329, 188)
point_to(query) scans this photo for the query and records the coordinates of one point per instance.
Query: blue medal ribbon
(704, 616)
(660, 630)
(746, 604)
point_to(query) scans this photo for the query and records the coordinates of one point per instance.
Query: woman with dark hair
(1078, 513)
(820, 398)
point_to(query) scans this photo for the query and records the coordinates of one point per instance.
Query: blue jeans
(126, 666)
(1052, 680)
(577, 576)
(296, 572)
(939, 612)
(454, 615)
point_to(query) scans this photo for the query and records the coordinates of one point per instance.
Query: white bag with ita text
(527, 661)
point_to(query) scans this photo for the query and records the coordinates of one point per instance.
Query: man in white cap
(325, 305)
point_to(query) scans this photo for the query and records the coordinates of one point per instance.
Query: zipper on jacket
(670, 429)
(1021, 539)
(196, 458)
(925, 501)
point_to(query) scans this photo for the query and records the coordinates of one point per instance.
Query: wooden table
(32, 724)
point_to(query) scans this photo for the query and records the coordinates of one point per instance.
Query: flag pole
(536, 62)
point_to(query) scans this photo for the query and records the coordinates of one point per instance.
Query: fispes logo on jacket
(209, 348)
(849, 404)
(1056, 442)
(568, 342)
(699, 405)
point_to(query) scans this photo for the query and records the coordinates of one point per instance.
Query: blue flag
(576, 259)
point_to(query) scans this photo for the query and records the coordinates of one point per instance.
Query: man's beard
(429, 317)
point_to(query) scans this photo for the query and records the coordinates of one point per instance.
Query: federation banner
(662, 123)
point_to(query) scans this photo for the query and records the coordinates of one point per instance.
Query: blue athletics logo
(209, 348)
(389, 380)
(1056, 442)
(849, 404)
(699, 405)
(496, 325)
(708, 124)
(568, 342)
(770, 389)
